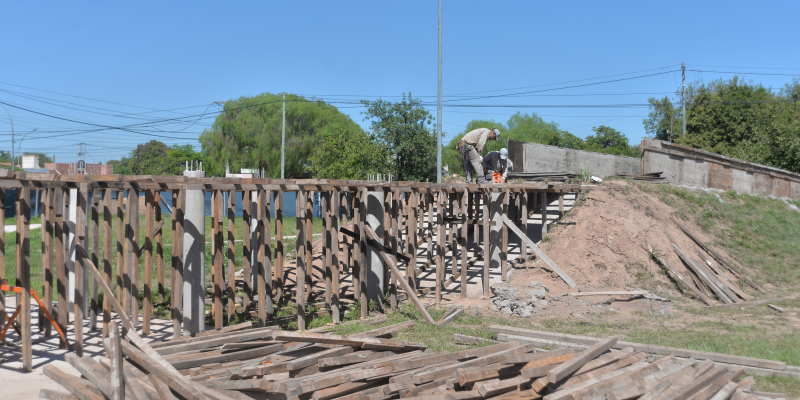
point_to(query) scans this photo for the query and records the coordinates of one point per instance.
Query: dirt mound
(603, 245)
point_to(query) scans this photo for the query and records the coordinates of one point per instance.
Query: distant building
(72, 168)
(30, 161)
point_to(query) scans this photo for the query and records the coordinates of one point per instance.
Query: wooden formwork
(449, 217)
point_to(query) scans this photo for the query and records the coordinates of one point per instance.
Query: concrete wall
(686, 166)
(534, 157)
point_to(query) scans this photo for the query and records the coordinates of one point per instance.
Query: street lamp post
(19, 148)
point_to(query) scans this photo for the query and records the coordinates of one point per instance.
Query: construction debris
(649, 177)
(556, 176)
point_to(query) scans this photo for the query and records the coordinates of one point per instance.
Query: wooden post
(122, 244)
(345, 255)
(334, 232)
(396, 234)
(95, 234)
(543, 202)
(309, 220)
(268, 256)
(363, 270)
(261, 285)
(178, 207)
(327, 244)
(464, 242)
(561, 204)
(80, 269)
(62, 279)
(115, 355)
(454, 209)
(133, 253)
(247, 258)
(431, 198)
(300, 266)
(231, 252)
(486, 217)
(356, 270)
(217, 257)
(107, 256)
(279, 246)
(48, 220)
(524, 215)
(387, 234)
(159, 248)
(411, 240)
(147, 307)
(440, 244)
(504, 236)
(24, 250)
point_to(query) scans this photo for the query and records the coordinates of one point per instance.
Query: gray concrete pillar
(374, 262)
(495, 231)
(194, 258)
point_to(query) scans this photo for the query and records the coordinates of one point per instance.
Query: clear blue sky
(150, 56)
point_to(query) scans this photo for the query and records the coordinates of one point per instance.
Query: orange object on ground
(497, 178)
(42, 308)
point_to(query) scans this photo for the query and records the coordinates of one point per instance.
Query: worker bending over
(496, 166)
(471, 148)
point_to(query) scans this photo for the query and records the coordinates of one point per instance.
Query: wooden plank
(123, 282)
(450, 318)
(147, 306)
(80, 388)
(354, 358)
(486, 274)
(178, 202)
(523, 214)
(464, 242)
(539, 253)
(218, 279)
(709, 391)
(406, 287)
(622, 363)
(604, 360)
(24, 251)
(313, 359)
(180, 386)
(611, 293)
(392, 241)
(247, 258)
(688, 389)
(47, 259)
(215, 341)
(540, 368)
(568, 367)
(360, 342)
(108, 249)
(309, 220)
(647, 348)
(268, 280)
(230, 251)
(543, 204)
(334, 234)
(423, 377)
(501, 386)
(412, 211)
(159, 247)
(391, 329)
(205, 334)
(747, 303)
(80, 269)
(685, 281)
(363, 270)
(56, 395)
(133, 254)
(701, 274)
(300, 262)
(327, 243)
(95, 236)
(440, 245)
(279, 279)
(776, 308)
(726, 392)
(261, 234)
(729, 283)
(115, 355)
(61, 264)
(716, 255)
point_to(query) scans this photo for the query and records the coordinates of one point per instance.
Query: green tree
(348, 153)
(156, 158)
(247, 134)
(407, 130)
(611, 141)
(664, 121)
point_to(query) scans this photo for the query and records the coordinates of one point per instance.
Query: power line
(743, 73)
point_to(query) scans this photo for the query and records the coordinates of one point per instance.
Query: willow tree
(247, 134)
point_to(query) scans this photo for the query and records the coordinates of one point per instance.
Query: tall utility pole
(683, 103)
(12, 135)
(283, 138)
(439, 108)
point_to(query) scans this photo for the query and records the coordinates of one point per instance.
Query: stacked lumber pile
(555, 176)
(649, 177)
(263, 363)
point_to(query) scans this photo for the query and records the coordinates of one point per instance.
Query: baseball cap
(503, 153)
(497, 133)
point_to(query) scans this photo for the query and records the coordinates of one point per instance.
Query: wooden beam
(568, 367)
(61, 263)
(231, 255)
(539, 253)
(334, 248)
(247, 273)
(685, 281)
(268, 280)
(24, 251)
(159, 247)
(47, 258)
(115, 355)
(218, 280)
(108, 255)
(147, 307)
(95, 235)
(701, 274)
(747, 303)
(300, 262)
(279, 282)
(80, 269)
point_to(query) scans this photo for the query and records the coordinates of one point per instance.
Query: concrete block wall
(534, 157)
(687, 166)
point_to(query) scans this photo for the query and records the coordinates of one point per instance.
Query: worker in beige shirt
(471, 147)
